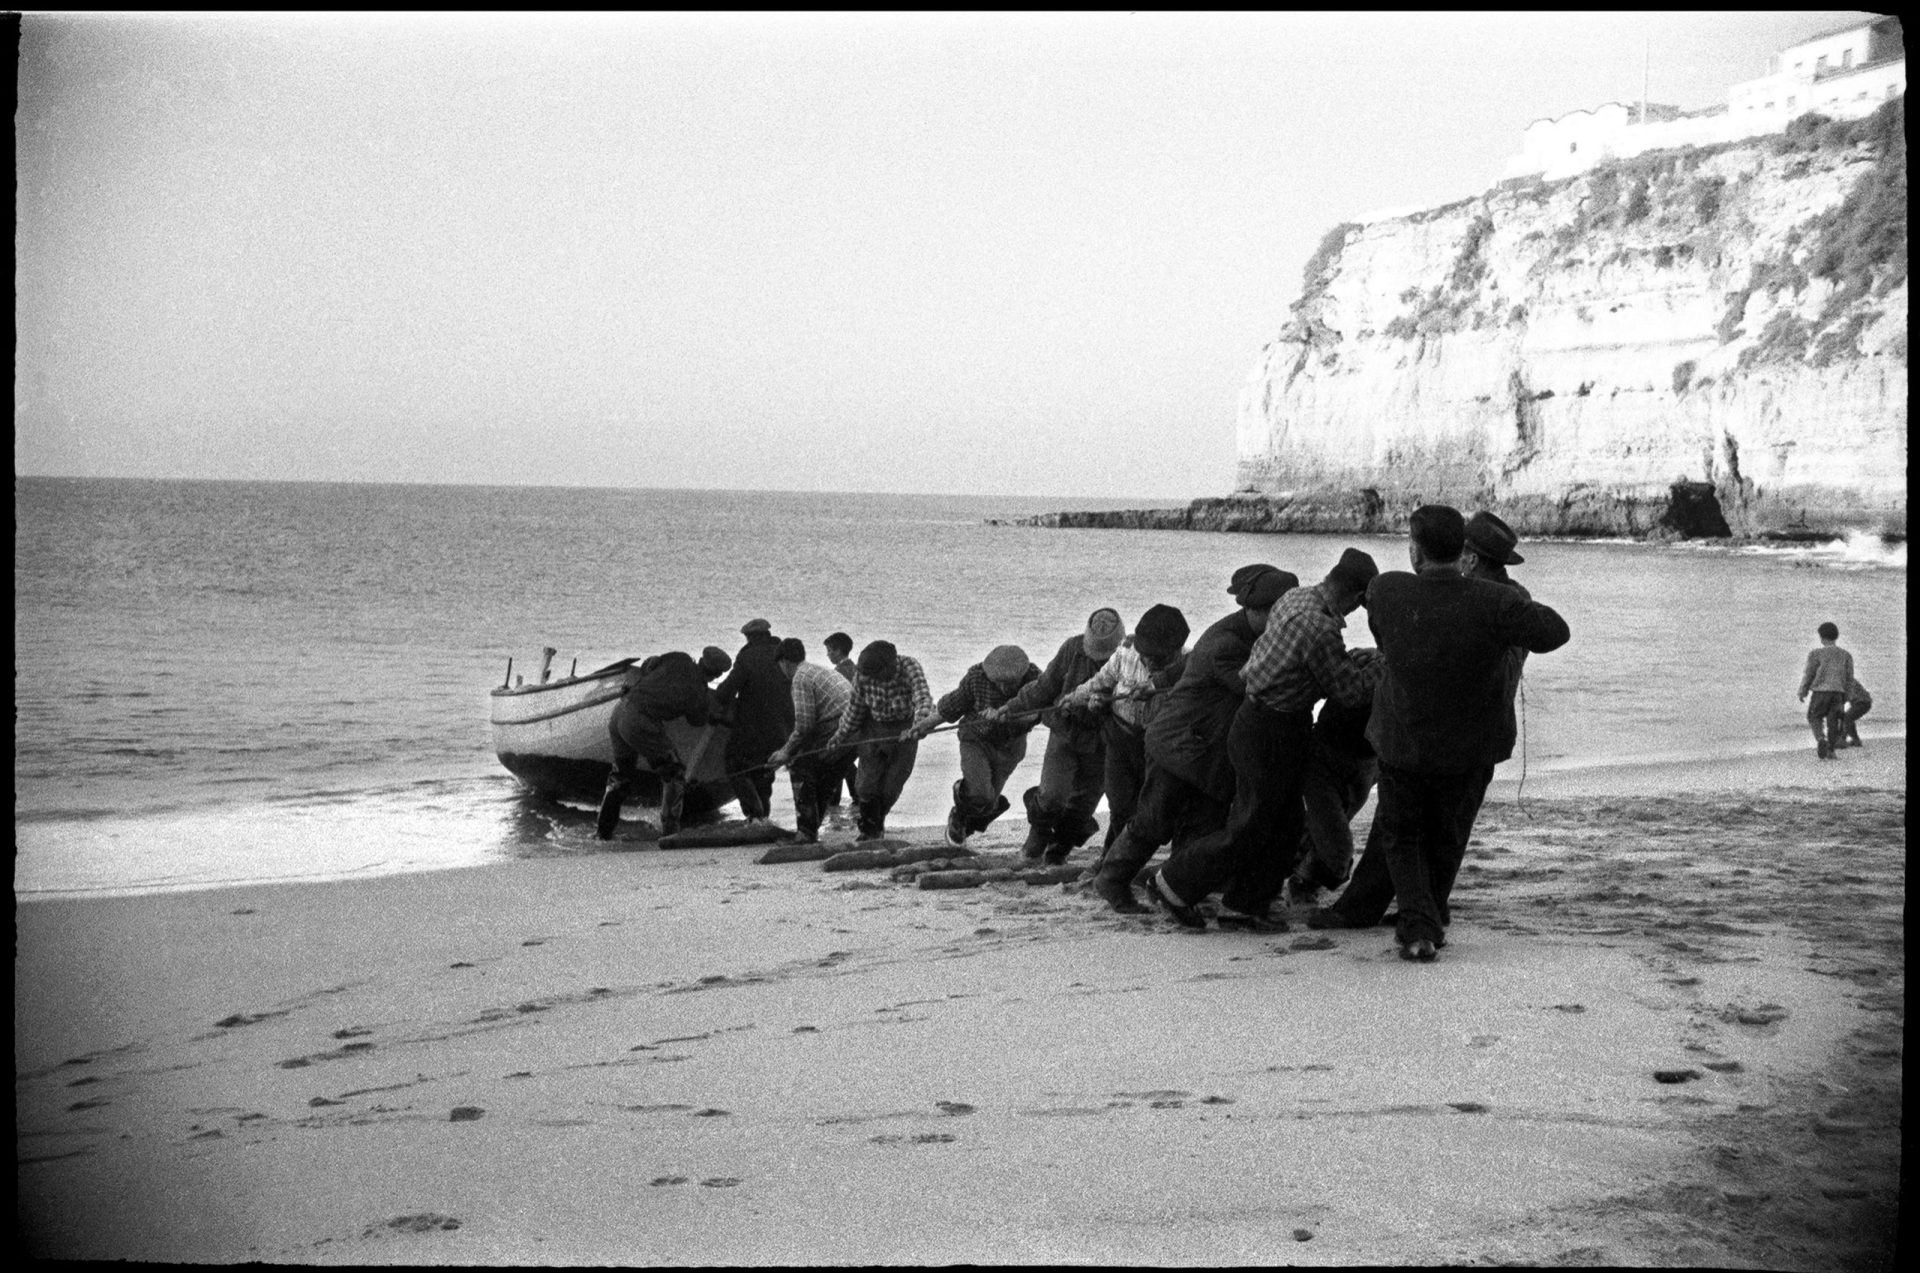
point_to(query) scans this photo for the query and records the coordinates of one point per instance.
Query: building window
(1820, 65)
(1846, 58)
(1790, 102)
(1573, 147)
(1769, 105)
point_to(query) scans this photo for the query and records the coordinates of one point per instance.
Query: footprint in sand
(669, 1180)
(720, 1182)
(425, 1222)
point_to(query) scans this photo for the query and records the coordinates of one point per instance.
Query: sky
(994, 254)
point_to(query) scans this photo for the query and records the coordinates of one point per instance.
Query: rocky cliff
(1697, 341)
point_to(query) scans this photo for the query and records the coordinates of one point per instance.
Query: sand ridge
(1666, 1030)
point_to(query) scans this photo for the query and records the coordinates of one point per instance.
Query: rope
(1518, 800)
(1036, 713)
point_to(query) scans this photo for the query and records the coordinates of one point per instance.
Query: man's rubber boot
(1039, 825)
(610, 802)
(673, 796)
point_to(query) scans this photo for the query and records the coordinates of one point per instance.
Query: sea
(221, 683)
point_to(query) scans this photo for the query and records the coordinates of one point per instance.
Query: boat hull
(554, 739)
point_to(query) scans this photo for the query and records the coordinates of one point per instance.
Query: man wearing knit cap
(889, 691)
(990, 744)
(1189, 782)
(666, 687)
(820, 698)
(1121, 695)
(760, 705)
(1073, 769)
(1298, 659)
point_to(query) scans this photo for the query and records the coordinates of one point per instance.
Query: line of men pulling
(1214, 750)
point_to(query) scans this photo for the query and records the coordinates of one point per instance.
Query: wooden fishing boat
(552, 736)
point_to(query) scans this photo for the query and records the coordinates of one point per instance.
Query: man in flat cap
(760, 705)
(991, 744)
(1298, 659)
(666, 687)
(1243, 578)
(1441, 716)
(1486, 554)
(1123, 695)
(888, 693)
(1189, 783)
(1073, 768)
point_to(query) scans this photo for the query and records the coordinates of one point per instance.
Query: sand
(688, 1058)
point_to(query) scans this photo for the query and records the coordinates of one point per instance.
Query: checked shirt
(1301, 658)
(898, 700)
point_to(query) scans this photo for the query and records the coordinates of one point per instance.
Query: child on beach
(1859, 703)
(1829, 670)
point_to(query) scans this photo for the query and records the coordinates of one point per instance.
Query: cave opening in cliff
(1693, 512)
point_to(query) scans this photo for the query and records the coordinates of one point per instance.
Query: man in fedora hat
(760, 703)
(1073, 768)
(889, 691)
(1189, 782)
(991, 744)
(1298, 660)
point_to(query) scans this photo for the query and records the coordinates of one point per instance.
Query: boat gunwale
(568, 710)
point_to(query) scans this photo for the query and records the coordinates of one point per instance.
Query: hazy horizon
(1011, 254)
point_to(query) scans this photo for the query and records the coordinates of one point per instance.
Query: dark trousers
(984, 770)
(1424, 822)
(1124, 773)
(754, 790)
(1856, 708)
(635, 737)
(1072, 776)
(814, 776)
(1170, 809)
(885, 765)
(1335, 786)
(1252, 859)
(1826, 710)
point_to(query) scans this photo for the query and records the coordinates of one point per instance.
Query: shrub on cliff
(1318, 272)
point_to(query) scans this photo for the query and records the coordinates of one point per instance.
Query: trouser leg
(1363, 903)
(1327, 806)
(984, 770)
(1252, 859)
(1457, 808)
(885, 765)
(1125, 768)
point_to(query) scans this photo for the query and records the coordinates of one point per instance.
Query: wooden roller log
(724, 834)
(952, 879)
(796, 853)
(871, 859)
(1052, 875)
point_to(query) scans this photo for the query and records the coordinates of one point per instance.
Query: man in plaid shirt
(820, 698)
(889, 693)
(1297, 660)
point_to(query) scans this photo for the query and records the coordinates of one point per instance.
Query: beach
(1666, 1030)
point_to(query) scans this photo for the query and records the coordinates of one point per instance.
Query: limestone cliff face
(1615, 353)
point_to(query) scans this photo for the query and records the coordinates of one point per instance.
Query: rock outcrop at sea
(1703, 341)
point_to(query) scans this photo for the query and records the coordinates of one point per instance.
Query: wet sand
(1667, 1030)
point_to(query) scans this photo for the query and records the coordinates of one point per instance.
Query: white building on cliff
(1842, 74)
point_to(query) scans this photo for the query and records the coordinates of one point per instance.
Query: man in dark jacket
(1189, 783)
(1489, 550)
(1073, 769)
(666, 687)
(761, 703)
(991, 745)
(1441, 716)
